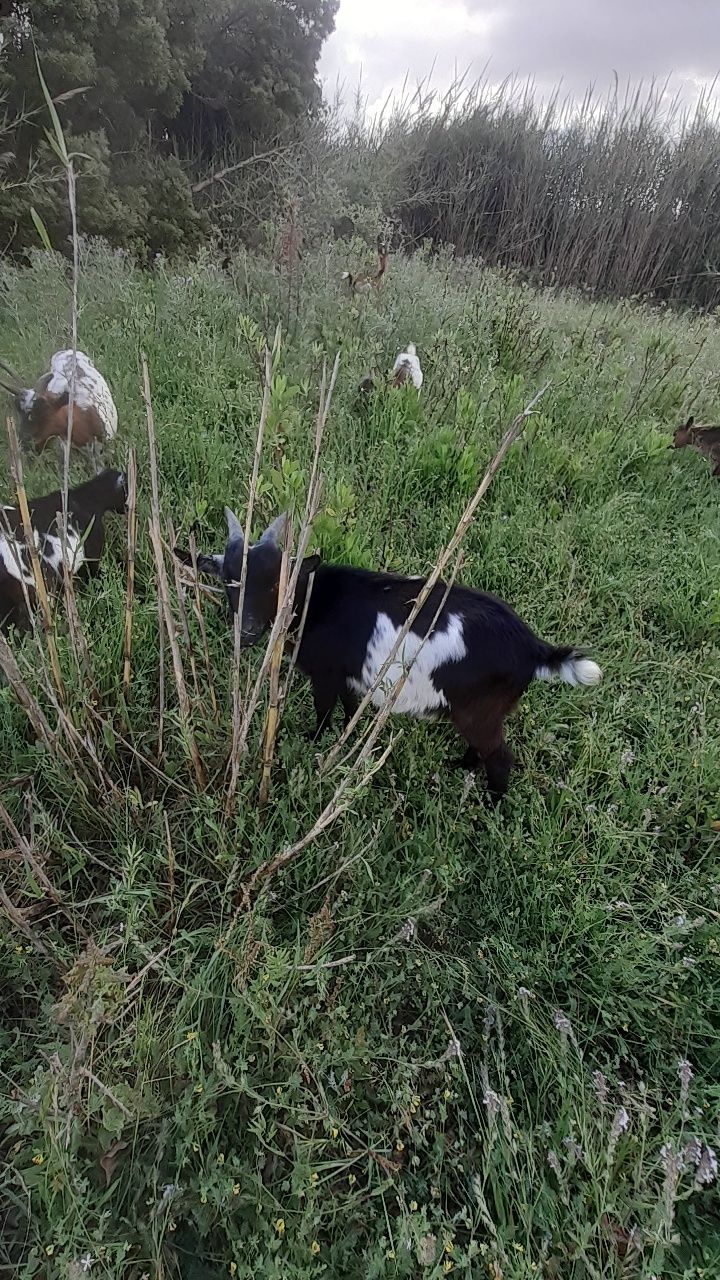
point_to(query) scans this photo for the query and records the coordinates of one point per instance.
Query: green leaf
(59, 135)
(40, 228)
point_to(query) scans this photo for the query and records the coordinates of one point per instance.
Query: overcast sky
(575, 42)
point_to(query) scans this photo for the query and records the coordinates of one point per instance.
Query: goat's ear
(206, 564)
(235, 531)
(309, 565)
(690, 422)
(274, 535)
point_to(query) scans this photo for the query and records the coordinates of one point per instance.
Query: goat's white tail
(570, 666)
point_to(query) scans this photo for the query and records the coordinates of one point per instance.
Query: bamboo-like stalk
(40, 589)
(155, 503)
(462, 527)
(272, 717)
(285, 606)
(237, 716)
(183, 700)
(130, 583)
(29, 704)
(197, 610)
(182, 615)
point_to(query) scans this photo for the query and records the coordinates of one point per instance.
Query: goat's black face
(264, 559)
(260, 601)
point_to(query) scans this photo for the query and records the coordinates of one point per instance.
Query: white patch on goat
(572, 671)
(91, 391)
(11, 559)
(419, 696)
(52, 551)
(26, 400)
(408, 360)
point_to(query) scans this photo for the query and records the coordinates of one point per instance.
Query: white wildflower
(600, 1087)
(707, 1168)
(685, 1073)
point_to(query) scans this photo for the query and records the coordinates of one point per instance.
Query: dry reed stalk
(150, 418)
(237, 717)
(17, 918)
(183, 700)
(197, 610)
(283, 617)
(463, 525)
(171, 870)
(80, 649)
(40, 589)
(272, 717)
(29, 704)
(72, 203)
(130, 585)
(182, 615)
(27, 855)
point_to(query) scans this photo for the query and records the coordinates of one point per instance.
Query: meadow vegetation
(445, 1039)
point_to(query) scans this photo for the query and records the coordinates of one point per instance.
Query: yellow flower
(390, 1253)
(416, 1100)
(198, 1088)
(236, 1188)
(220, 1159)
(519, 1248)
(38, 1158)
(315, 1247)
(203, 1198)
(399, 1146)
(191, 1035)
(334, 1133)
(449, 1246)
(413, 1206)
(50, 1249)
(447, 1265)
(233, 1268)
(280, 1226)
(446, 1094)
(313, 1177)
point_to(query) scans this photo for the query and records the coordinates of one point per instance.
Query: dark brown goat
(87, 505)
(704, 438)
(363, 284)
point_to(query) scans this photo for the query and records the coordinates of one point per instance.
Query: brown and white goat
(704, 438)
(43, 409)
(472, 667)
(363, 284)
(87, 506)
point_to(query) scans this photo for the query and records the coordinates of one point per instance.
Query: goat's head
(683, 435)
(264, 558)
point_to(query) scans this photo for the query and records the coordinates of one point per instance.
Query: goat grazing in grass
(704, 438)
(405, 369)
(87, 505)
(472, 667)
(363, 284)
(43, 409)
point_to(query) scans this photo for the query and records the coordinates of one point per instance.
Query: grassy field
(447, 1039)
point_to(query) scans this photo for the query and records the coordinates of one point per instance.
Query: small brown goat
(363, 284)
(704, 438)
(43, 409)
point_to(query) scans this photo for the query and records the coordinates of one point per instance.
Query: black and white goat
(87, 505)
(472, 668)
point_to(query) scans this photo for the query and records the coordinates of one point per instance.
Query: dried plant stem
(462, 527)
(17, 918)
(272, 718)
(155, 496)
(40, 589)
(171, 871)
(182, 615)
(285, 605)
(28, 703)
(197, 610)
(183, 700)
(237, 716)
(130, 584)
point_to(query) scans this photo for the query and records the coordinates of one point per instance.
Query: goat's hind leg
(480, 723)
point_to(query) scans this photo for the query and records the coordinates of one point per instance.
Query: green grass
(283, 1080)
